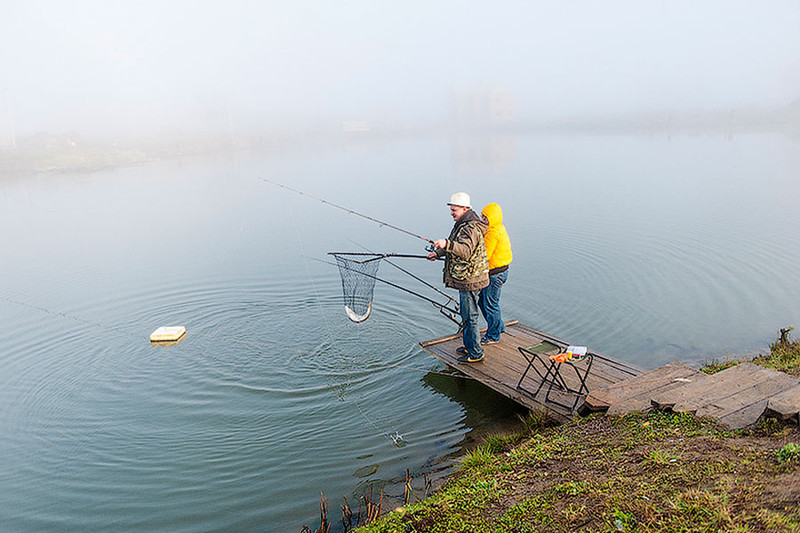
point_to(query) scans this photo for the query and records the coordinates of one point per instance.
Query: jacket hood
(469, 216)
(472, 216)
(493, 214)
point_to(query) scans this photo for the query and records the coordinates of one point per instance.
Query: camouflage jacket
(466, 267)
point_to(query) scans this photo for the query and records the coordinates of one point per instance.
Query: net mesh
(358, 285)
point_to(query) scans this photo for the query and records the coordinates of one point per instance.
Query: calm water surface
(647, 249)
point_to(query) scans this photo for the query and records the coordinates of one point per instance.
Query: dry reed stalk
(347, 515)
(324, 526)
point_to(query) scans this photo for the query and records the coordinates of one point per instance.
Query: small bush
(623, 521)
(478, 457)
(784, 354)
(789, 453)
(498, 443)
(536, 421)
(660, 457)
(718, 365)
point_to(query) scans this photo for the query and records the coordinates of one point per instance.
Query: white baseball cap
(460, 199)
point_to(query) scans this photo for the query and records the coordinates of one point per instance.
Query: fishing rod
(446, 311)
(382, 223)
(422, 281)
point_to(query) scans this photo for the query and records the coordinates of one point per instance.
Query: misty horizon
(103, 69)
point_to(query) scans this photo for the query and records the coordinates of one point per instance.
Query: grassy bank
(641, 472)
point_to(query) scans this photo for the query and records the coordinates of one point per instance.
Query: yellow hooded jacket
(498, 244)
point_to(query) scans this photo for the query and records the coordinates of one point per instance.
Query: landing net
(358, 272)
(358, 285)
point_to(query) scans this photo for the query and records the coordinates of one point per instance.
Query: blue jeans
(489, 303)
(468, 307)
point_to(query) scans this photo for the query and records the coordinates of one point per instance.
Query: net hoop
(358, 285)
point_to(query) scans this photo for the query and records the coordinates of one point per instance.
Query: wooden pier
(503, 366)
(737, 397)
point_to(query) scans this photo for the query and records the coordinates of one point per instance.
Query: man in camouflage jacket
(466, 269)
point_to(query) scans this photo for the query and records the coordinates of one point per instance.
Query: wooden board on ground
(737, 396)
(503, 365)
(786, 404)
(634, 394)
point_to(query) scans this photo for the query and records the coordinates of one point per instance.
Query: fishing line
(342, 397)
(134, 330)
(349, 211)
(64, 315)
(195, 333)
(394, 437)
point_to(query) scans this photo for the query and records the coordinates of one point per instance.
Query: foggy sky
(107, 67)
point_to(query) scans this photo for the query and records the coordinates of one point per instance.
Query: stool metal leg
(581, 388)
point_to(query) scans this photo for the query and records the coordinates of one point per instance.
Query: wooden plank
(644, 382)
(723, 387)
(634, 394)
(678, 375)
(737, 396)
(687, 397)
(766, 383)
(744, 417)
(785, 405)
(745, 408)
(439, 340)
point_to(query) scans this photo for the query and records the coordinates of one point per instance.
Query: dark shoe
(470, 359)
(485, 340)
(461, 350)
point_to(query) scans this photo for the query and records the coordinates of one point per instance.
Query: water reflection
(485, 411)
(482, 152)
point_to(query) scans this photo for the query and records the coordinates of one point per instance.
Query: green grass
(784, 356)
(640, 472)
(643, 472)
(789, 453)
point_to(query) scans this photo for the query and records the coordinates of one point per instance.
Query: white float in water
(168, 334)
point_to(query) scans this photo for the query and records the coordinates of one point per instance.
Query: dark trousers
(468, 307)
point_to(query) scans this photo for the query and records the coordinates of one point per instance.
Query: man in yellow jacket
(498, 251)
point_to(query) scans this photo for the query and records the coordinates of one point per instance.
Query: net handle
(375, 257)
